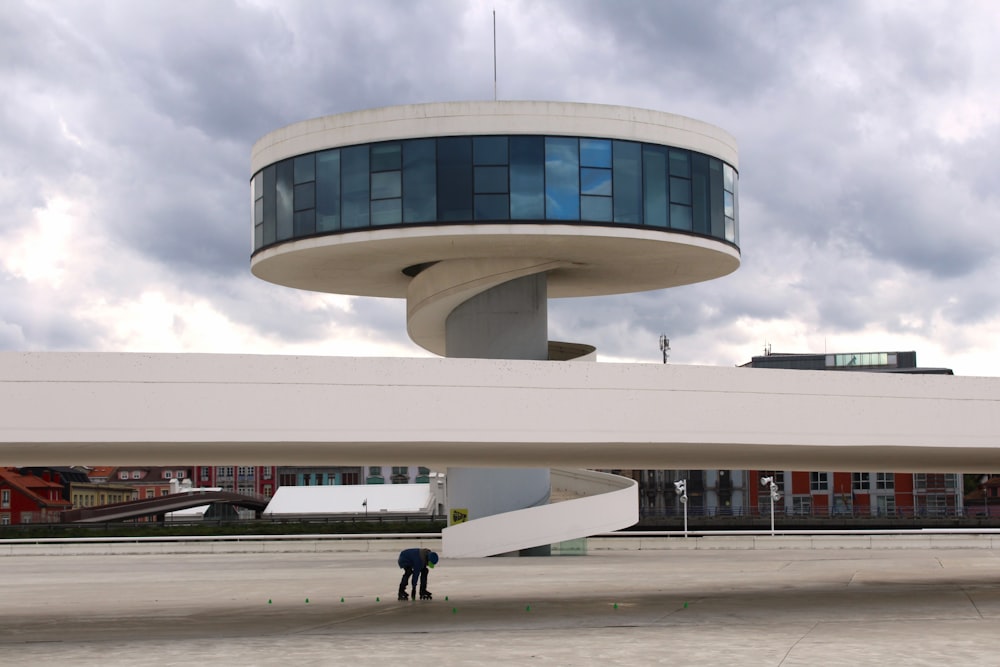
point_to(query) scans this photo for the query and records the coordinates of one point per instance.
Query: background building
(810, 494)
(26, 498)
(245, 480)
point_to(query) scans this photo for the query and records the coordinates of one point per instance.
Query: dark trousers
(407, 573)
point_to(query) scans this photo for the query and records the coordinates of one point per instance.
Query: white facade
(159, 409)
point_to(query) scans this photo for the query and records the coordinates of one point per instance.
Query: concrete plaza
(705, 606)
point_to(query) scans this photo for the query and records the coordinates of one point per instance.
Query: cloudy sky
(868, 134)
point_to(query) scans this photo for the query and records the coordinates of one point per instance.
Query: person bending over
(415, 564)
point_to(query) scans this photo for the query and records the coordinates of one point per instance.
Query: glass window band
(496, 178)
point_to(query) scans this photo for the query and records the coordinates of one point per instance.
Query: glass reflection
(489, 150)
(385, 157)
(597, 209)
(595, 182)
(490, 180)
(354, 180)
(328, 191)
(562, 178)
(419, 181)
(595, 153)
(654, 191)
(386, 184)
(628, 182)
(527, 178)
(495, 178)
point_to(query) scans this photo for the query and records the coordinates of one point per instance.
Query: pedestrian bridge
(195, 409)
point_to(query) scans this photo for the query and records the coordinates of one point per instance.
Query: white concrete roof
(350, 499)
(442, 119)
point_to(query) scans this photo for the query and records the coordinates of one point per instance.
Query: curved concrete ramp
(206, 409)
(601, 503)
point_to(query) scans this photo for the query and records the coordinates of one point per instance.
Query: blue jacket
(416, 560)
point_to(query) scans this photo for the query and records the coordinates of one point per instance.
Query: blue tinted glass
(258, 185)
(727, 177)
(258, 212)
(492, 207)
(305, 196)
(354, 181)
(730, 230)
(454, 185)
(527, 178)
(283, 190)
(628, 182)
(728, 208)
(489, 150)
(736, 210)
(680, 191)
(680, 217)
(387, 212)
(419, 181)
(562, 178)
(715, 199)
(680, 164)
(701, 207)
(595, 181)
(304, 223)
(386, 185)
(385, 157)
(491, 180)
(328, 191)
(305, 168)
(595, 208)
(654, 190)
(270, 204)
(595, 153)
(258, 236)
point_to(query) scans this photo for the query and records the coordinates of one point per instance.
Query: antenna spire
(494, 55)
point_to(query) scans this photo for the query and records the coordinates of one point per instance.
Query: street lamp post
(775, 495)
(681, 486)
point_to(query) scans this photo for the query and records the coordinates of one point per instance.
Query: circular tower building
(477, 212)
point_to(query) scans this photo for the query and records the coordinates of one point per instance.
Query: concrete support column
(509, 321)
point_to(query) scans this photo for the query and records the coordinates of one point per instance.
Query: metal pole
(494, 55)
(772, 513)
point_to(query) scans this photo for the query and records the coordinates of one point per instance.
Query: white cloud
(867, 140)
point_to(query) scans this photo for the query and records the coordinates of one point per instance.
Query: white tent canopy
(351, 500)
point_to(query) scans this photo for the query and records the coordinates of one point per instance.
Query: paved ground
(783, 607)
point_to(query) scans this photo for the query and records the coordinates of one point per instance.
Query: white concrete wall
(497, 117)
(120, 409)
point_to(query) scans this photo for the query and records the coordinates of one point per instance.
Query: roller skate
(425, 595)
(403, 595)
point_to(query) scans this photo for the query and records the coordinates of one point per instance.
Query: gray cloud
(858, 210)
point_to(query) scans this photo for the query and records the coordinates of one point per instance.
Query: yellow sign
(459, 515)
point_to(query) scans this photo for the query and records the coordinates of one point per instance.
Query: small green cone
(528, 608)
(307, 600)
(341, 599)
(445, 598)
(685, 605)
(378, 599)
(269, 601)
(616, 605)
(454, 611)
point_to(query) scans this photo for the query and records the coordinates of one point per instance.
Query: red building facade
(247, 480)
(859, 494)
(26, 499)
